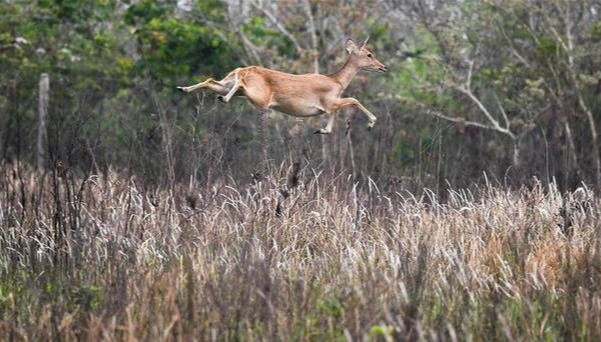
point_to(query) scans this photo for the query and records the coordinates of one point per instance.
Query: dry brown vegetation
(301, 256)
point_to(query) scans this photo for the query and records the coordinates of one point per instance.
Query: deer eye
(369, 55)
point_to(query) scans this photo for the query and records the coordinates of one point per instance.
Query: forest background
(505, 90)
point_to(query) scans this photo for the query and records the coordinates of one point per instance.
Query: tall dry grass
(293, 255)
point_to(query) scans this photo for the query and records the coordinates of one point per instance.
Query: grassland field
(293, 257)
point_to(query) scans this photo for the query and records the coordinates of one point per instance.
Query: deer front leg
(350, 101)
(210, 84)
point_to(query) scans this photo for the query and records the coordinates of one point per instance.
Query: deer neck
(345, 75)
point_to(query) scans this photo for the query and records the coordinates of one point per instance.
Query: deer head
(364, 57)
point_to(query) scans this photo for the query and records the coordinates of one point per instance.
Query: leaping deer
(297, 95)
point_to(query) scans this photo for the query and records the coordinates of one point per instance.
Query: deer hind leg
(211, 84)
(350, 101)
(258, 92)
(238, 83)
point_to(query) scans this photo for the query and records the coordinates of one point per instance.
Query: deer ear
(350, 46)
(364, 42)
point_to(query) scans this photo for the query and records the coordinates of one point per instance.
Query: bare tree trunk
(324, 149)
(595, 140)
(167, 138)
(325, 155)
(515, 158)
(44, 88)
(264, 136)
(571, 148)
(313, 37)
(349, 141)
(568, 46)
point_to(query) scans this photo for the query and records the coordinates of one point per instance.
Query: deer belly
(298, 109)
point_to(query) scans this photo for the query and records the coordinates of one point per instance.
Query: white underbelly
(298, 109)
(308, 112)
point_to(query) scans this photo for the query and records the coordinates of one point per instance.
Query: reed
(293, 255)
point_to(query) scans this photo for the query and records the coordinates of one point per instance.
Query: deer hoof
(370, 125)
(321, 131)
(221, 98)
(182, 89)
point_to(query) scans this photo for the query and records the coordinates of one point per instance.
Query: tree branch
(250, 46)
(466, 90)
(502, 110)
(458, 120)
(307, 7)
(279, 26)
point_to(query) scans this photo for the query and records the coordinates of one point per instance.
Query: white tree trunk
(44, 88)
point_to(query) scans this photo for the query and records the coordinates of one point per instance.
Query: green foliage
(171, 48)
(260, 33)
(146, 10)
(385, 332)
(88, 297)
(422, 77)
